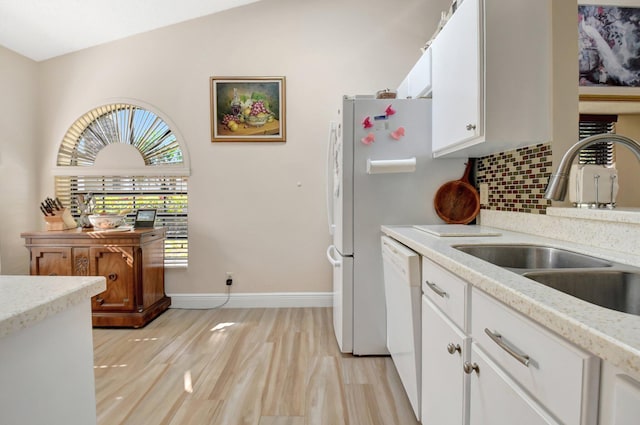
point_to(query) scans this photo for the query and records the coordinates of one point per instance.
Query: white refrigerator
(380, 170)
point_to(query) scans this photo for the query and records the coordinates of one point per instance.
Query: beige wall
(19, 170)
(565, 80)
(257, 210)
(627, 163)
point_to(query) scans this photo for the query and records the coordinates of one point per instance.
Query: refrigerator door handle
(329, 170)
(333, 261)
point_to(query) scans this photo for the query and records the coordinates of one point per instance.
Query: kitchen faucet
(557, 187)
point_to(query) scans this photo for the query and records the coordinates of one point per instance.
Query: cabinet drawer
(497, 400)
(559, 375)
(447, 291)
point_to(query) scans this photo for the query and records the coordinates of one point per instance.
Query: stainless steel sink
(531, 256)
(615, 289)
(605, 283)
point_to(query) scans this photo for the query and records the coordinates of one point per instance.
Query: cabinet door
(152, 266)
(444, 384)
(627, 400)
(420, 76)
(619, 397)
(495, 399)
(457, 79)
(51, 261)
(116, 264)
(561, 376)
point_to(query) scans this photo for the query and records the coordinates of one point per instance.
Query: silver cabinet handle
(469, 367)
(516, 354)
(436, 289)
(452, 348)
(471, 126)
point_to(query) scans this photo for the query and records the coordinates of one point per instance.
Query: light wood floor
(242, 366)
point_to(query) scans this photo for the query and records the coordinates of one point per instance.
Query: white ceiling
(42, 29)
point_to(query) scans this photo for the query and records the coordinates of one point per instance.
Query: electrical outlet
(484, 193)
(229, 280)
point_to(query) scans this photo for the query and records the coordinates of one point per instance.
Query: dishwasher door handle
(333, 261)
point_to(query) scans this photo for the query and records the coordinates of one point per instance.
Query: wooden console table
(132, 262)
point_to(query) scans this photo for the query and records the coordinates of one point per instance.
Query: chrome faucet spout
(557, 186)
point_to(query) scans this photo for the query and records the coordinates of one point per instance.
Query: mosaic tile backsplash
(517, 179)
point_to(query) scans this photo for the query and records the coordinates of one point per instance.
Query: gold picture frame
(248, 109)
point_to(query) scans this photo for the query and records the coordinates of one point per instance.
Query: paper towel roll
(391, 166)
(590, 183)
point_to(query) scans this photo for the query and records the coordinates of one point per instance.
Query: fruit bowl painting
(248, 109)
(256, 120)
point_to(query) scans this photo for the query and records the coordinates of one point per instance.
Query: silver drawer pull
(452, 348)
(471, 127)
(469, 367)
(436, 289)
(497, 338)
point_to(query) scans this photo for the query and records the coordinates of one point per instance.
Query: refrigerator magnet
(370, 138)
(398, 134)
(390, 111)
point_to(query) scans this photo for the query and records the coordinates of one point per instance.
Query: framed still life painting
(248, 109)
(609, 50)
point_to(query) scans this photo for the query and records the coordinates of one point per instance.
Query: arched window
(128, 158)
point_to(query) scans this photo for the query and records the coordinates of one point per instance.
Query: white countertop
(616, 215)
(611, 335)
(26, 300)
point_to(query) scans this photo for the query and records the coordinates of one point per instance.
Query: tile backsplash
(517, 179)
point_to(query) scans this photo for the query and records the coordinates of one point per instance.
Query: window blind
(119, 123)
(166, 194)
(600, 153)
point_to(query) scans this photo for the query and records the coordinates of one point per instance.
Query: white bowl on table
(106, 221)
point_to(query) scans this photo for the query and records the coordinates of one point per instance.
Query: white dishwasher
(403, 294)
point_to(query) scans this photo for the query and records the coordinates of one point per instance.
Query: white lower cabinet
(619, 397)
(445, 387)
(556, 374)
(484, 363)
(496, 399)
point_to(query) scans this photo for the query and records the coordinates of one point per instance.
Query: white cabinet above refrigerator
(417, 83)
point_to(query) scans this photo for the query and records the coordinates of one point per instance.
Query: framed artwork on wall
(609, 50)
(248, 109)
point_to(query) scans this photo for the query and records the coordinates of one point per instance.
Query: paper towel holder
(388, 166)
(557, 186)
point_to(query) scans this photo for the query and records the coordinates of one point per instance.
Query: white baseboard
(253, 300)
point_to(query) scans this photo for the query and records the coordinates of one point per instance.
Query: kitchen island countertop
(27, 300)
(609, 334)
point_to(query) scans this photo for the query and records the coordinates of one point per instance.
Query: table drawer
(561, 376)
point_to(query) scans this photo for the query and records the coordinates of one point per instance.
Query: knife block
(62, 220)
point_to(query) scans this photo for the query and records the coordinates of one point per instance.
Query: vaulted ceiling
(43, 29)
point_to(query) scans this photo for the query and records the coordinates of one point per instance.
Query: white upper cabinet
(492, 78)
(418, 82)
